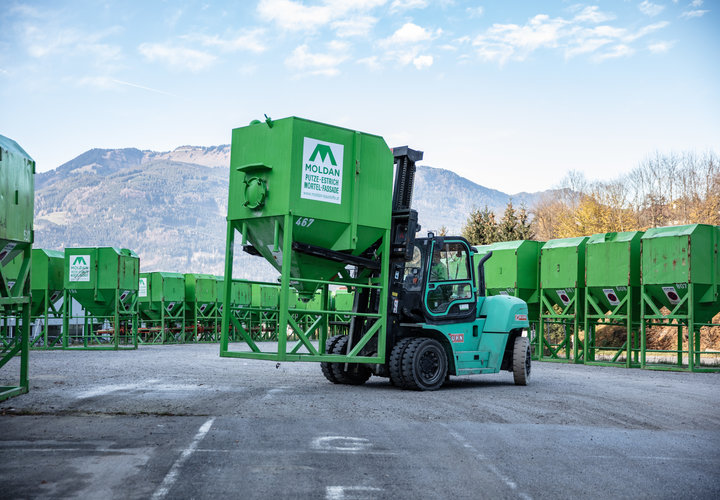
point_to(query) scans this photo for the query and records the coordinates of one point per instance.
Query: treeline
(663, 190)
(483, 228)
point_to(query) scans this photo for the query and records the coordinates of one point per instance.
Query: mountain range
(170, 207)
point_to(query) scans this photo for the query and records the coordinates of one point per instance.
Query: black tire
(356, 374)
(522, 360)
(330, 346)
(424, 365)
(395, 364)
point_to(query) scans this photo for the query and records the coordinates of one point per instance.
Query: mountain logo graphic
(324, 151)
(79, 261)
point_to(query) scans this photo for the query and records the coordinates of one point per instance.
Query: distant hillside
(170, 207)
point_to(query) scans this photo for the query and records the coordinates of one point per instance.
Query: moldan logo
(322, 171)
(79, 268)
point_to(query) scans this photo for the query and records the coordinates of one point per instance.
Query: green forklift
(420, 314)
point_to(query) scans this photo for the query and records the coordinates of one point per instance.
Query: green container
(295, 302)
(343, 300)
(158, 291)
(513, 270)
(46, 280)
(269, 296)
(315, 304)
(201, 290)
(674, 258)
(334, 184)
(562, 270)
(241, 293)
(17, 195)
(94, 275)
(612, 267)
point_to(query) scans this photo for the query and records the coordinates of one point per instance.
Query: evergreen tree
(481, 227)
(508, 227)
(525, 230)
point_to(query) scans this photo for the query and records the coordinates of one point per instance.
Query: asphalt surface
(181, 422)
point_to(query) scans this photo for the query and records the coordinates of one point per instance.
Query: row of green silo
(634, 299)
(98, 298)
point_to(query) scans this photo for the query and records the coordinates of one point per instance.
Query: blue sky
(511, 94)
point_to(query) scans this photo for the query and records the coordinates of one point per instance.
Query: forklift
(439, 321)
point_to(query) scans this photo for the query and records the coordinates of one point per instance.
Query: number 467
(304, 222)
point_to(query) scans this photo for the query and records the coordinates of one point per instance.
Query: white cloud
(371, 62)
(178, 57)
(108, 83)
(354, 26)
(581, 34)
(689, 14)
(400, 5)
(409, 33)
(424, 61)
(474, 12)
(292, 15)
(504, 41)
(406, 44)
(250, 41)
(615, 52)
(650, 9)
(308, 64)
(660, 47)
(645, 30)
(592, 14)
(696, 3)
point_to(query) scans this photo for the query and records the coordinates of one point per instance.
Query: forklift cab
(438, 283)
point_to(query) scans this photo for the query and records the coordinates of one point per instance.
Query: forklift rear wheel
(521, 361)
(395, 364)
(424, 365)
(356, 373)
(327, 367)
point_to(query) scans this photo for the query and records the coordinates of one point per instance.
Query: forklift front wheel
(521, 360)
(424, 365)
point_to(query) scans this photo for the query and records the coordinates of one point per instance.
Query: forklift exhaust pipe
(481, 273)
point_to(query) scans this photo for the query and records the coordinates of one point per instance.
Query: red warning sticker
(457, 338)
(521, 317)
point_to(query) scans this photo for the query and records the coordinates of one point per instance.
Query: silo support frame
(622, 315)
(50, 311)
(682, 317)
(567, 317)
(286, 315)
(15, 304)
(161, 330)
(90, 339)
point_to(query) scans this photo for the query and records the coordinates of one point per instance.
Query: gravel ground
(181, 422)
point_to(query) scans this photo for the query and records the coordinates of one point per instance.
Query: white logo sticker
(564, 297)
(671, 294)
(79, 268)
(142, 288)
(611, 296)
(322, 170)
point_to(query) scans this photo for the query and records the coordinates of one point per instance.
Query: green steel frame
(169, 328)
(84, 330)
(204, 318)
(622, 314)
(304, 349)
(15, 307)
(52, 311)
(568, 319)
(682, 317)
